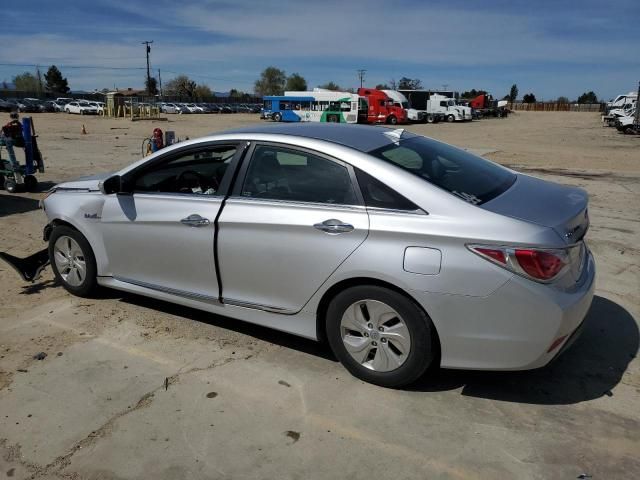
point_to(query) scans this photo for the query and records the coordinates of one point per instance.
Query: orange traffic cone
(84, 130)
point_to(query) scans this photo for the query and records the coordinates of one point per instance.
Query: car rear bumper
(514, 327)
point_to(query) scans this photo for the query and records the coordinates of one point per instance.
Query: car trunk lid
(559, 207)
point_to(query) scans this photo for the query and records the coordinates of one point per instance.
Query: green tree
(56, 83)
(181, 86)
(513, 93)
(562, 100)
(203, 92)
(382, 86)
(588, 97)
(26, 82)
(330, 86)
(296, 83)
(151, 85)
(271, 82)
(473, 93)
(406, 83)
(529, 98)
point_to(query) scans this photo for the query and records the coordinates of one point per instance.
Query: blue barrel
(28, 146)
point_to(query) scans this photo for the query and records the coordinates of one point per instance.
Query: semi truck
(381, 108)
(484, 105)
(437, 106)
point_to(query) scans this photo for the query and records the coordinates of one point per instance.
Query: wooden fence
(557, 107)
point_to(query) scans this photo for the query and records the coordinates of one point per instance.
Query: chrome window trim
(189, 196)
(171, 291)
(293, 203)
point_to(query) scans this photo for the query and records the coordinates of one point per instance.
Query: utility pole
(361, 73)
(148, 49)
(160, 82)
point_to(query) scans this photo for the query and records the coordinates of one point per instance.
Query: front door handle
(195, 220)
(334, 226)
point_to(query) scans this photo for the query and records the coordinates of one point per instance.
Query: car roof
(359, 137)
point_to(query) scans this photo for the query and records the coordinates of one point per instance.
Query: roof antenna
(396, 135)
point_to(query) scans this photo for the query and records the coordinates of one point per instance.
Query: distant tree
(529, 98)
(506, 97)
(271, 82)
(181, 86)
(562, 100)
(296, 83)
(234, 93)
(330, 86)
(382, 86)
(409, 84)
(473, 93)
(56, 83)
(5, 85)
(393, 85)
(151, 85)
(513, 93)
(588, 97)
(26, 82)
(202, 92)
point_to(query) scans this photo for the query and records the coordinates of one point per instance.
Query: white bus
(313, 106)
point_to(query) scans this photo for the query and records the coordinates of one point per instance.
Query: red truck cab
(381, 108)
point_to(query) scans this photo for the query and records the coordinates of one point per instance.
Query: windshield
(467, 176)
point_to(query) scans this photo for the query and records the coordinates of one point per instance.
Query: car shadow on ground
(589, 369)
(11, 204)
(262, 333)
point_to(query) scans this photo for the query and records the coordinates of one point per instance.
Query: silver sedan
(401, 251)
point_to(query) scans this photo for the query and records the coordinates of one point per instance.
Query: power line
(148, 50)
(95, 67)
(361, 73)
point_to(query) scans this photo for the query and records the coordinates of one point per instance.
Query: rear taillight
(542, 265)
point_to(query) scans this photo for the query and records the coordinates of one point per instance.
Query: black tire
(30, 183)
(2, 179)
(450, 119)
(430, 118)
(277, 117)
(424, 344)
(10, 185)
(89, 284)
(392, 120)
(333, 119)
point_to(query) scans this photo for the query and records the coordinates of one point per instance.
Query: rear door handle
(195, 220)
(334, 226)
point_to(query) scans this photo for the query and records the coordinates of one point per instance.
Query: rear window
(467, 176)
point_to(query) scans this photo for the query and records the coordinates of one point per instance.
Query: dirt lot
(244, 402)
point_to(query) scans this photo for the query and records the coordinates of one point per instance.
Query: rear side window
(376, 194)
(467, 176)
(279, 173)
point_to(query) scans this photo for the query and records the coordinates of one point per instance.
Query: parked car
(401, 250)
(48, 106)
(168, 108)
(6, 106)
(99, 106)
(81, 108)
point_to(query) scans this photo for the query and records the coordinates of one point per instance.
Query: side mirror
(115, 184)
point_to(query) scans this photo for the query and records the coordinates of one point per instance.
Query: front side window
(198, 172)
(467, 176)
(279, 173)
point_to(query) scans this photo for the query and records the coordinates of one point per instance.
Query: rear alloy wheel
(430, 118)
(380, 335)
(277, 117)
(72, 261)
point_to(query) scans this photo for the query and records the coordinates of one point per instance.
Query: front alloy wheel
(72, 261)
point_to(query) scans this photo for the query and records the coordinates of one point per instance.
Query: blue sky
(550, 48)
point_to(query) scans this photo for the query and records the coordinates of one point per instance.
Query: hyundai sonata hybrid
(399, 250)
